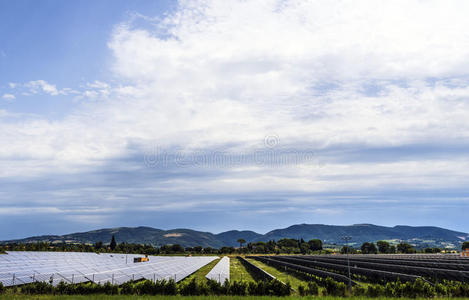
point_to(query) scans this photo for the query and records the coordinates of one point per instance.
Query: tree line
(282, 246)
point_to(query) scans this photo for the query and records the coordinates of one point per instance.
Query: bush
(301, 290)
(170, 288)
(441, 289)
(334, 288)
(191, 289)
(128, 288)
(276, 288)
(358, 290)
(258, 288)
(313, 288)
(2, 288)
(238, 288)
(375, 291)
(215, 288)
(110, 289)
(37, 288)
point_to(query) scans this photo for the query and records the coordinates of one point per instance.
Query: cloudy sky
(218, 115)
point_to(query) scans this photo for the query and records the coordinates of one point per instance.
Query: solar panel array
(23, 267)
(221, 271)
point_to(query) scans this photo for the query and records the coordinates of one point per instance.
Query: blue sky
(218, 115)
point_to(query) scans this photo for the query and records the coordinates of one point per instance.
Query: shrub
(313, 288)
(110, 289)
(214, 287)
(190, 288)
(37, 288)
(170, 288)
(302, 291)
(335, 288)
(441, 289)
(128, 288)
(276, 288)
(238, 288)
(358, 290)
(375, 291)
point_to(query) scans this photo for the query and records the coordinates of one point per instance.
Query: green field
(238, 272)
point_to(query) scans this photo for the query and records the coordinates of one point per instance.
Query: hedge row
(418, 288)
(163, 287)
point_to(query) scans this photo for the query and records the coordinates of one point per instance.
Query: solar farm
(425, 275)
(376, 268)
(17, 268)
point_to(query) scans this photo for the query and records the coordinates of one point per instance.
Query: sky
(219, 115)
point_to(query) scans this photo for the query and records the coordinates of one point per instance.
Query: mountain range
(421, 236)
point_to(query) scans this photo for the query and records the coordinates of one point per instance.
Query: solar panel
(221, 271)
(21, 267)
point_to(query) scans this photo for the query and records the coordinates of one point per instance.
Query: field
(314, 276)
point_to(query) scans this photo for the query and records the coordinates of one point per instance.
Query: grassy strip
(199, 275)
(238, 272)
(122, 297)
(283, 276)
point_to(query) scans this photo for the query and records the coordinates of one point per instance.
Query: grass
(283, 276)
(199, 275)
(238, 272)
(122, 297)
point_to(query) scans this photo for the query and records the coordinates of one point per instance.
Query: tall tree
(315, 244)
(241, 242)
(405, 248)
(113, 243)
(465, 245)
(383, 246)
(369, 248)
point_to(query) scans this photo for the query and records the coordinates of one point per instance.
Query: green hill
(331, 234)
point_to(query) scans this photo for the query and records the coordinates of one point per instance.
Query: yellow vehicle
(141, 259)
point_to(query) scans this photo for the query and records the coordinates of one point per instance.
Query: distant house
(465, 253)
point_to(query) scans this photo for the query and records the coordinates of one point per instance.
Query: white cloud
(98, 85)
(8, 97)
(44, 86)
(319, 74)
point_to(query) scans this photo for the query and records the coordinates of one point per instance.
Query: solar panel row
(18, 268)
(221, 271)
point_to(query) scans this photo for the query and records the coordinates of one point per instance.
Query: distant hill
(360, 233)
(229, 238)
(331, 234)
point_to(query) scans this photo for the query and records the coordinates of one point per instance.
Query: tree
(347, 249)
(113, 243)
(369, 248)
(432, 250)
(304, 248)
(288, 243)
(465, 246)
(383, 246)
(176, 248)
(98, 245)
(241, 242)
(405, 248)
(315, 245)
